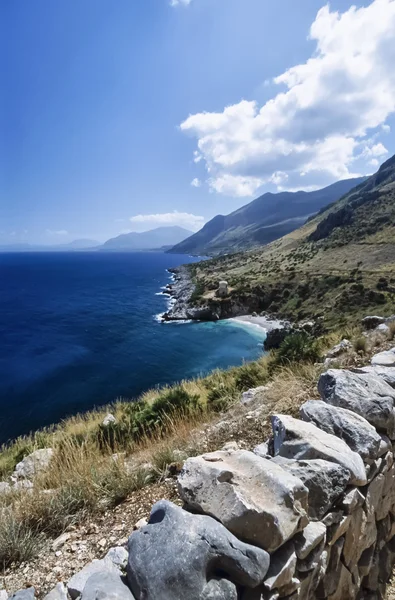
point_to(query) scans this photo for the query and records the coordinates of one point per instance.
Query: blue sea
(79, 330)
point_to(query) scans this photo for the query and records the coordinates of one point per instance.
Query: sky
(129, 115)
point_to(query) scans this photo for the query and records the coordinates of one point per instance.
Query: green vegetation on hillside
(336, 267)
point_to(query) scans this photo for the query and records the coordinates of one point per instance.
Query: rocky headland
(182, 306)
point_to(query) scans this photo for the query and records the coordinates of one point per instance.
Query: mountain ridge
(336, 267)
(262, 221)
(154, 239)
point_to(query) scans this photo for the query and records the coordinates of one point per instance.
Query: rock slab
(358, 434)
(253, 497)
(366, 395)
(200, 550)
(303, 441)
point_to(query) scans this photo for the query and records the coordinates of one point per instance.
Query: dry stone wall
(309, 515)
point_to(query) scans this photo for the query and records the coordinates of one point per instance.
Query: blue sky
(128, 115)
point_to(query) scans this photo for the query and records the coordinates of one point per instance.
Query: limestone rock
(253, 497)
(383, 329)
(338, 530)
(365, 394)
(76, 585)
(311, 561)
(372, 321)
(219, 589)
(58, 593)
(352, 500)
(304, 441)
(27, 594)
(118, 556)
(60, 541)
(384, 359)
(325, 481)
(108, 420)
(262, 450)
(252, 394)
(200, 548)
(358, 434)
(309, 538)
(345, 588)
(282, 567)
(35, 463)
(5, 487)
(386, 373)
(23, 484)
(106, 586)
(339, 349)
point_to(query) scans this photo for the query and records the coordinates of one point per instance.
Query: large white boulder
(384, 359)
(304, 441)
(365, 394)
(358, 434)
(33, 464)
(253, 497)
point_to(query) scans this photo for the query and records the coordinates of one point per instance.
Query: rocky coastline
(181, 307)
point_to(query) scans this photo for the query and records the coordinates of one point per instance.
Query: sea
(79, 330)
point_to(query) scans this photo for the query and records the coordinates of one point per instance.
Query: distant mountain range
(155, 239)
(161, 238)
(262, 221)
(82, 244)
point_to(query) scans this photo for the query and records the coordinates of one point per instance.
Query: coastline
(261, 322)
(180, 308)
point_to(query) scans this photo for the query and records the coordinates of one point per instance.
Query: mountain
(155, 239)
(263, 220)
(336, 268)
(82, 244)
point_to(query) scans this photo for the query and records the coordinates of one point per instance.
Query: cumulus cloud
(328, 116)
(189, 220)
(57, 232)
(196, 182)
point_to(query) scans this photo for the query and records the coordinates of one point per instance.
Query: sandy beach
(262, 322)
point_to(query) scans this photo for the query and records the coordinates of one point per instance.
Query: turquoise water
(79, 330)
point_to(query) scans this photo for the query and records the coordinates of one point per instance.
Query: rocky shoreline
(181, 308)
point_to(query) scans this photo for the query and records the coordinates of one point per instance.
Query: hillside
(262, 221)
(335, 267)
(148, 240)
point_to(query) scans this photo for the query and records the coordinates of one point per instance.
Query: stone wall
(309, 514)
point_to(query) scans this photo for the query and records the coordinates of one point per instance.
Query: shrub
(198, 291)
(18, 541)
(360, 344)
(249, 375)
(298, 347)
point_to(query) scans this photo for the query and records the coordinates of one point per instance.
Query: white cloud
(196, 182)
(375, 150)
(56, 232)
(316, 128)
(180, 2)
(188, 220)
